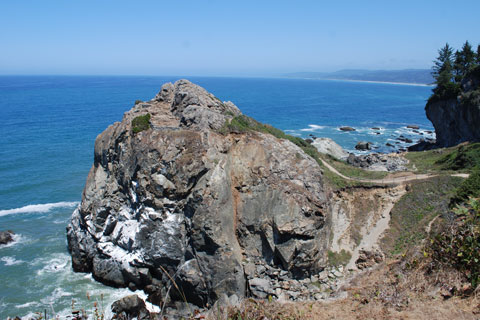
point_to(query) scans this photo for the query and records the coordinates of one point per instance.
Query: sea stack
(177, 188)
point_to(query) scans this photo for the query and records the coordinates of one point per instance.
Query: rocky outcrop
(6, 237)
(328, 146)
(183, 199)
(362, 145)
(457, 120)
(378, 162)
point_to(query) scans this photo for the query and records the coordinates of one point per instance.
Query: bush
(459, 245)
(470, 187)
(141, 123)
(465, 157)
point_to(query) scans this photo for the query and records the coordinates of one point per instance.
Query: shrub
(459, 245)
(465, 157)
(141, 123)
(470, 187)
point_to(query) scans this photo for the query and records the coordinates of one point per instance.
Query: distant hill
(418, 76)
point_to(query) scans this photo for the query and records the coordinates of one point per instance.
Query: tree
(464, 61)
(443, 74)
(478, 54)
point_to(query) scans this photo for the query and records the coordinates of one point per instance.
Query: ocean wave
(17, 238)
(312, 128)
(38, 208)
(11, 261)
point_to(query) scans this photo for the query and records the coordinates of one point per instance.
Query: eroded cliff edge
(457, 119)
(186, 198)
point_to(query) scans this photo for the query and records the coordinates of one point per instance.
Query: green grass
(141, 123)
(338, 258)
(463, 157)
(470, 187)
(353, 172)
(459, 158)
(414, 211)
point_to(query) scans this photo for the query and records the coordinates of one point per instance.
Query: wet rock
(362, 145)
(6, 237)
(346, 128)
(412, 126)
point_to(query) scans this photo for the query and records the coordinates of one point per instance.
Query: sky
(228, 38)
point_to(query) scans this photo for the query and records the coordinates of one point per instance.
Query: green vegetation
(141, 123)
(459, 244)
(470, 187)
(415, 210)
(451, 68)
(463, 157)
(243, 123)
(351, 171)
(138, 101)
(338, 258)
(459, 158)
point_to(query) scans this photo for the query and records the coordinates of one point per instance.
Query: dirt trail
(370, 239)
(397, 180)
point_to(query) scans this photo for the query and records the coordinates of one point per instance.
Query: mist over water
(47, 135)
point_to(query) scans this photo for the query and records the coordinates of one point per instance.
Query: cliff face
(457, 120)
(183, 199)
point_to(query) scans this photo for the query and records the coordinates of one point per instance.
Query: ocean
(48, 129)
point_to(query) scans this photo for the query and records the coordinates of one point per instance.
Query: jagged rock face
(457, 120)
(181, 198)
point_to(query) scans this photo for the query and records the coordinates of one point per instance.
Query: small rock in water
(6, 236)
(412, 126)
(347, 128)
(362, 145)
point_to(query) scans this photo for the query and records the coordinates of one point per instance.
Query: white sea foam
(38, 208)
(312, 128)
(11, 261)
(17, 238)
(27, 305)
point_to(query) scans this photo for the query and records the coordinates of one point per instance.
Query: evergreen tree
(478, 54)
(443, 73)
(443, 63)
(466, 59)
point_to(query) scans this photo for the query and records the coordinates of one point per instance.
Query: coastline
(371, 81)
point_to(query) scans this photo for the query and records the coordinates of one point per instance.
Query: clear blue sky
(247, 38)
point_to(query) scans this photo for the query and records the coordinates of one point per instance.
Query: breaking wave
(40, 208)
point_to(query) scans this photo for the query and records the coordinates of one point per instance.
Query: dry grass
(391, 291)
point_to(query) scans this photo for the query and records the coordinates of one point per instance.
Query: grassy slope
(414, 211)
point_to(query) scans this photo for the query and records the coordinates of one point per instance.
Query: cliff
(457, 119)
(172, 193)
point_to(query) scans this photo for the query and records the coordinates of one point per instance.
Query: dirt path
(397, 180)
(370, 239)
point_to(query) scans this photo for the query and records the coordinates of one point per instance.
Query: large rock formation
(185, 197)
(457, 120)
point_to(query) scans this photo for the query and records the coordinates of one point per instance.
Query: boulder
(130, 307)
(6, 237)
(346, 128)
(328, 146)
(411, 126)
(362, 145)
(191, 198)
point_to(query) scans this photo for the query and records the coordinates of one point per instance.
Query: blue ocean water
(49, 124)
